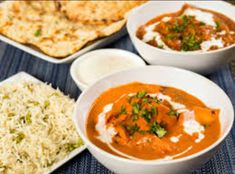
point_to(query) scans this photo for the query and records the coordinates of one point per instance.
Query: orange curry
(189, 29)
(146, 121)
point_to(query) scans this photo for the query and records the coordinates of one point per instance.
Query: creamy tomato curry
(146, 121)
(190, 29)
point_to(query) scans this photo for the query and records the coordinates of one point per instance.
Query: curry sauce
(146, 121)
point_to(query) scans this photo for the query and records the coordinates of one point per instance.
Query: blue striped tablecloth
(13, 60)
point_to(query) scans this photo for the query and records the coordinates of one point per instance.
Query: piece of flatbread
(48, 30)
(98, 12)
(44, 26)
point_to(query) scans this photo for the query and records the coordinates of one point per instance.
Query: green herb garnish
(189, 43)
(171, 36)
(146, 100)
(142, 132)
(154, 110)
(28, 118)
(130, 99)
(186, 20)
(178, 28)
(132, 129)
(157, 130)
(173, 112)
(46, 104)
(38, 33)
(135, 117)
(136, 108)
(6, 97)
(202, 23)
(71, 146)
(141, 94)
(147, 115)
(20, 136)
(157, 100)
(217, 25)
(160, 46)
(122, 110)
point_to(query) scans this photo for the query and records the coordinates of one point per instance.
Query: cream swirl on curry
(150, 122)
(190, 29)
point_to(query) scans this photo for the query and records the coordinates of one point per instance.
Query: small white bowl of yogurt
(94, 65)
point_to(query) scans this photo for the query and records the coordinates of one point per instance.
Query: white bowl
(195, 84)
(99, 55)
(199, 62)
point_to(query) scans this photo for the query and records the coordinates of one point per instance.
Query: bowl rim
(197, 52)
(158, 161)
(114, 51)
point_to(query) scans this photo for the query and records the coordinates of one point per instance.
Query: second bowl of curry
(199, 36)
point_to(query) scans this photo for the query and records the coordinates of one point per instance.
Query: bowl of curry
(151, 119)
(198, 36)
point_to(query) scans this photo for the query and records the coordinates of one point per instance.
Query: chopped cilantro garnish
(178, 28)
(146, 100)
(157, 130)
(217, 25)
(147, 115)
(173, 112)
(157, 100)
(132, 129)
(37, 33)
(135, 117)
(154, 110)
(202, 23)
(122, 110)
(171, 36)
(141, 94)
(189, 43)
(130, 99)
(150, 100)
(186, 20)
(160, 46)
(136, 108)
(142, 132)
(71, 146)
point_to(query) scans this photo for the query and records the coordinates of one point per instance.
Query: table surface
(13, 60)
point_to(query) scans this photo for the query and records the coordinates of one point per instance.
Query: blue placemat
(13, 60)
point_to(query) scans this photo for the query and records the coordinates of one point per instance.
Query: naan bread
(98, 12)
(44, 26)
